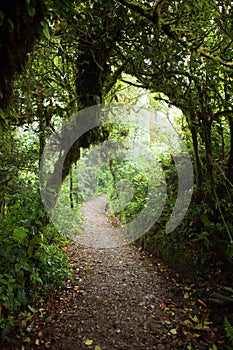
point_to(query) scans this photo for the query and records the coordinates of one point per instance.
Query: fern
(228, 330)
(20, 235)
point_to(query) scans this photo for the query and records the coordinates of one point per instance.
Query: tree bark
(230, 159)
(198, 165)
(71, 189)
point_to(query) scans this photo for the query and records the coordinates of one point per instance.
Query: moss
(20, 25)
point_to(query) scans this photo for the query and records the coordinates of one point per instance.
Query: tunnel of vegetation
(60, 57)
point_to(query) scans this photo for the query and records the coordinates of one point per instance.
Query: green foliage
(32, 260)
(31, 256)
(71, 221)
(228, 330)
(90, 52)
(130, 207)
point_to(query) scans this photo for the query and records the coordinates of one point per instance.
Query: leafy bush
(135, 182)
(199, 241)
(32, 260)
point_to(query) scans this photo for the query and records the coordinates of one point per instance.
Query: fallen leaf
(24, 323)
(186, 322)
(173, 331)
(88, 268)
(187, 288)
(194, 319)
(173, 308)
(196, 335)
(32, 309)
(162, 305)
(27, 340)
(89, 342)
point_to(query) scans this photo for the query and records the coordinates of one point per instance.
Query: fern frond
(229, 330)
(19, 234)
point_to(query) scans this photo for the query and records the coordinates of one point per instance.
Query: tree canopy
(57, 58)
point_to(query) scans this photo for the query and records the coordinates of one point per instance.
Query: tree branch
(173, 34)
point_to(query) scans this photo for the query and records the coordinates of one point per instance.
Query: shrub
(32, 260)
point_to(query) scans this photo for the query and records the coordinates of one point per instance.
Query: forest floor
(121, 298)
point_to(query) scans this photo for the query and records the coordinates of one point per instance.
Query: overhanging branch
(147, 12)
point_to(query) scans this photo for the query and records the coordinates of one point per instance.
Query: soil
(119, 298)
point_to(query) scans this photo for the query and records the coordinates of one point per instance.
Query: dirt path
(119, 294)
(118, 298)
(99, 231)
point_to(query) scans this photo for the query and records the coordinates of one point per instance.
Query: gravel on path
(119, 298)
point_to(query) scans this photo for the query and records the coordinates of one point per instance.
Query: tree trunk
(230, 159)
(71, 189)
(198, 165)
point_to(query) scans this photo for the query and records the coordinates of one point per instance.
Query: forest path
(119, 298)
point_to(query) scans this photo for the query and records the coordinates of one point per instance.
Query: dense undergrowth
(31, 249)
(32, 261)
(200, 243)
